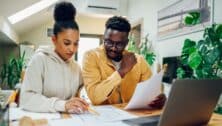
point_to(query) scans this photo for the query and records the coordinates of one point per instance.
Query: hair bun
(64, 11)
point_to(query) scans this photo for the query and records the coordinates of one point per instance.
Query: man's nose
(113, 48)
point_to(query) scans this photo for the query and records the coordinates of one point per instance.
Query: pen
(92, 111)
(11, 98)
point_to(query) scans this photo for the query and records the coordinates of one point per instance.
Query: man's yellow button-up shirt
(103, 83)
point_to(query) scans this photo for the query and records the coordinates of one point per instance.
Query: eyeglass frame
(118, 45)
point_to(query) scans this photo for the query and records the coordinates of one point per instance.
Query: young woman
(52, 78)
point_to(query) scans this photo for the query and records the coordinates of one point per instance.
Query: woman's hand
(76, 105)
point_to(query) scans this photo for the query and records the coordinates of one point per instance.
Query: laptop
(190, 103)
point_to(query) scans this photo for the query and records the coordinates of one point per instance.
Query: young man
(111, 73)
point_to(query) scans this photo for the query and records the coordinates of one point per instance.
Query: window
(33, 9)
(86, 43)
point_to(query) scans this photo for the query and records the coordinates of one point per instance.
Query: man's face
(115, 43)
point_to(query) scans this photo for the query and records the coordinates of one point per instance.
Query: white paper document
(66, 122)
(114, 123)
(78, 122)
(107, 113)
(146, 92)
(18, 113)
(108, 116)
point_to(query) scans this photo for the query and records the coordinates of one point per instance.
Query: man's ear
(127, 41)
(53, 39)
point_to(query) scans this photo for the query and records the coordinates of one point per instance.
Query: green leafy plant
(11, 72)
(145, 49)
(132, 45)
(203, 59)
(192, 18)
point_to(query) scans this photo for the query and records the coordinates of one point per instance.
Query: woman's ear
(54, 39)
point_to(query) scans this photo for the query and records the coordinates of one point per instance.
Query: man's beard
(117, 58)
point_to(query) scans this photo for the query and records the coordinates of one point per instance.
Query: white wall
(37, 36)
(123, 7)
(87, 25)
(147, 9)
(91, 25)
(217, 11)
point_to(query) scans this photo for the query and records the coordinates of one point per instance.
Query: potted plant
(11, 72)
(192, 18)
(203, 59)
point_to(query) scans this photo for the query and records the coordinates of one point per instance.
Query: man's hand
(76, 105)
(158, 102)
(127, 63)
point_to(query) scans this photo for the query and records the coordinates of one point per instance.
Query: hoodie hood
(50, 52)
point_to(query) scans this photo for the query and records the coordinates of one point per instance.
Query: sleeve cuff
(60, 105)
(110, 88)
(114, 80)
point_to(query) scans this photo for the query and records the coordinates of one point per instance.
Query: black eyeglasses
(118, 45)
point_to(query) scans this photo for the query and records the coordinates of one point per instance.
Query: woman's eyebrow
(66, 40)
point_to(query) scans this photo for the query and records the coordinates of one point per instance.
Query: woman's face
(66, 43)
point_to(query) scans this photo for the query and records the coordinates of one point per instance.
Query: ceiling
(5, 39)
(9, 7)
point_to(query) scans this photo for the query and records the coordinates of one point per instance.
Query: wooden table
(216, 119)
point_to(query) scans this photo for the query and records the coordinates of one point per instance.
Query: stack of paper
(77, 122)
(66, 122)
(107, 113)
(18, 113)
(108, 116)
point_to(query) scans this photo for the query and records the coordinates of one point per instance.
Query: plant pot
(4, 86)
